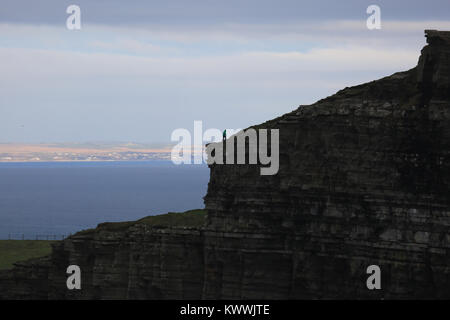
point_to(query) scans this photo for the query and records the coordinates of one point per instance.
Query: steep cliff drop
(364, 179)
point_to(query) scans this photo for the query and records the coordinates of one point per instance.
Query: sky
(138, 70)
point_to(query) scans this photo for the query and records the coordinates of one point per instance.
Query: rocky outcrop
(158, 257)
(364, 179)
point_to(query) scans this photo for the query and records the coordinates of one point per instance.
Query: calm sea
(40, 199)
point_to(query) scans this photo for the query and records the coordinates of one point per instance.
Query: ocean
(43, 200)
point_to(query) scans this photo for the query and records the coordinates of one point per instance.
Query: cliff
(363, 180)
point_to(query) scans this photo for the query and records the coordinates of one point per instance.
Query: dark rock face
(364, 180)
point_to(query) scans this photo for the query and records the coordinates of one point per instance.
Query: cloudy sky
(137, 70)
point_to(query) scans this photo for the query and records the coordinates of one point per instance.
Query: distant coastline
(87, 152)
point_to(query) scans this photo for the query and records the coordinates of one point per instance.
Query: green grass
(191, 218)
(12, 251)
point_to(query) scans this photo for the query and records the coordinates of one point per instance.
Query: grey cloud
(208, 12)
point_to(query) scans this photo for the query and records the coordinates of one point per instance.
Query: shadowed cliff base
(363, 180)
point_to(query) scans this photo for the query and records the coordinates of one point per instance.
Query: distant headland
(21, 152)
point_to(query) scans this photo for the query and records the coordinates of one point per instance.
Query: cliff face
(364, 179)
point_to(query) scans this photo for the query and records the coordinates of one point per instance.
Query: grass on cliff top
(12, 251)
(190, 218)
